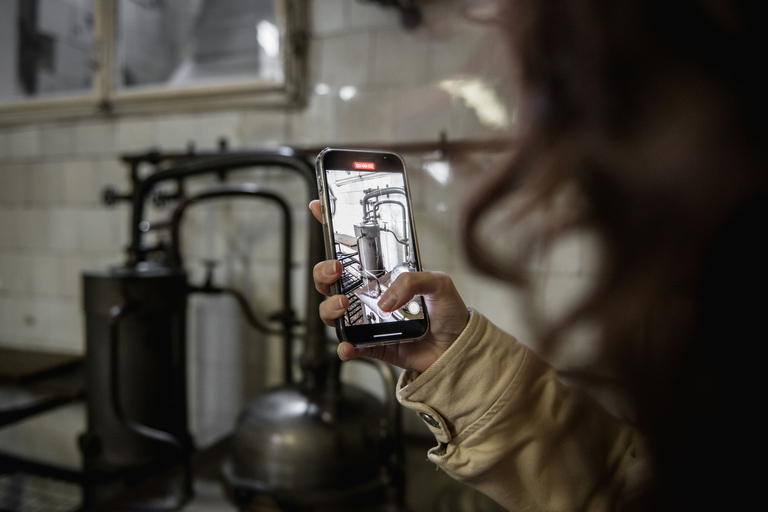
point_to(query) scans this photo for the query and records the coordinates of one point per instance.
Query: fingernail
(330, 270)
(340, 303)
(387, 301)
(343, 353)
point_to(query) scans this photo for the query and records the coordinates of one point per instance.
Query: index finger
(316, 209)
(437, 285)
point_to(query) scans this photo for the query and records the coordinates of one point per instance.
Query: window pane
(46, 48)
(188, 43)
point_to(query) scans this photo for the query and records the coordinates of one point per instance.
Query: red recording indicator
(365, 165)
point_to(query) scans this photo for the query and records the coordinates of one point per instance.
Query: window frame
(104, 99)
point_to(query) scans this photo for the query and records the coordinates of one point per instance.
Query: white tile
(78, 182)
(176, 133)
(346, 60)
(32, 228)
(60, 324)
(5, 151)
(256, 233)
(8, 230)
(98, 230)
(317, 124)
(14, 272)
(18, 318)
(313, 65)
(94, 138)
(400, 58)
(264, 129)
(25, 143)
(135, 135)
(328, 17)
(57, 140)
(213, 128)
(46, 184)
(45, 275)
(367, 118)
(65, 230)
(14, 184)
(436, 241)
(201, 235)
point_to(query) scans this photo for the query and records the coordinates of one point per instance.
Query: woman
(646, 118)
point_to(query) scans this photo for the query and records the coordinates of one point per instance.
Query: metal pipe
(287, 316)
(245, 307)
(376, 192)
(404, 241)
(205, 165)
(194, 165)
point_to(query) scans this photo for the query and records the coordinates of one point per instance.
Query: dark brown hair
(649, 116)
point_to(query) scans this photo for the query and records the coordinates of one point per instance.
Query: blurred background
(97, 96)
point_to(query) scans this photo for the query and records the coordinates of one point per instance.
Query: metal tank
(312, 444)
(327, 446)
(368, 234)
(135, 377)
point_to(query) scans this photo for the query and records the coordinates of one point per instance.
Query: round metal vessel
(300, 449)
(368, 236)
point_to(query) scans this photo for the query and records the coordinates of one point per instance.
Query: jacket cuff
(483, 359)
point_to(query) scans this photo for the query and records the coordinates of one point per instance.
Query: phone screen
(373, 238)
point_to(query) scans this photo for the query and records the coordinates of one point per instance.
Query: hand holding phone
(369, 228)
(448, 314)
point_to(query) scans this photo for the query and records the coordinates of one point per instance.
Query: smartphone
(368, 226)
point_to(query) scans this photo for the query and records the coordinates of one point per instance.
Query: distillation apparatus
(380, 265)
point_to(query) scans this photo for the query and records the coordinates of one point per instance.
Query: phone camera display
(373, 240)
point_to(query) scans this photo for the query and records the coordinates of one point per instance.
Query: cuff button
(429, 420)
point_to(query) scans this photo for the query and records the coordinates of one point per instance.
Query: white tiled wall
(393, 83)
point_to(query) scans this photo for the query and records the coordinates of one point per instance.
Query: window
(70, 58)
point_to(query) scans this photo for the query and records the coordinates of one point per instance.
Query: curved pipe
(401, 242)
(251, 191)
(379, 204)
(404, 241)
(379, 192)
(245, 307)
(215, 163)
(205, 165)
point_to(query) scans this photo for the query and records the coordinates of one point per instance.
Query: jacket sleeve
(506, 425)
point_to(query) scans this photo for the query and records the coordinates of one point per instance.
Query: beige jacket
(508, 427)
